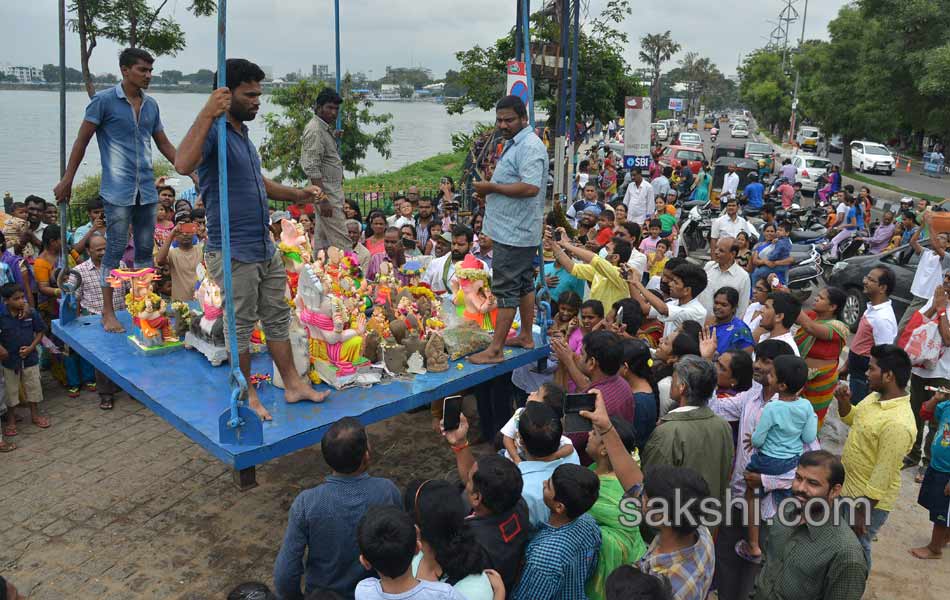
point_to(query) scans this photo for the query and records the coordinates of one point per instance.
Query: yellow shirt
(606, 284)
(881, 435)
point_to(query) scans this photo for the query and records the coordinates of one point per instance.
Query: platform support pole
(245, 479)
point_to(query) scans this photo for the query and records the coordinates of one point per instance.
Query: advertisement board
(676, 104)
(517, 84)
(636, 132)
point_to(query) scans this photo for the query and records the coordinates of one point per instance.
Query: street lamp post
(801, 41)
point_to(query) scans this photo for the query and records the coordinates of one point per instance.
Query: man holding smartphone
(514, 209)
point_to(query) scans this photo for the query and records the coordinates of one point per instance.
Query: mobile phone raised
(452, 413)
(573, 405)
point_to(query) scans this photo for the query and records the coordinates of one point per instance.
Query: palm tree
(656, 49)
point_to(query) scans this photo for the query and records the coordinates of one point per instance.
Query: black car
(849, 276)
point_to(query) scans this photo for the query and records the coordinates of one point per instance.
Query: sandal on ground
(72, 392)
(105, 403)
(919, 477)
(742, 549)
(7, 447)
(40, 421)
(91, 386)
(9, 430)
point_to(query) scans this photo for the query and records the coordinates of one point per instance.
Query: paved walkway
(118, 505)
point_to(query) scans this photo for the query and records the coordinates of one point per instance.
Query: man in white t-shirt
(639, 199)
(687, 282)
(779, 313)
(930, 268)
(729, 224)
(730, 183)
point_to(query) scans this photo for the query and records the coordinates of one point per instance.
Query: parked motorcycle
(806, 276)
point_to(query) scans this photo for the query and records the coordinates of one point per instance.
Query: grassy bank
(424, 173)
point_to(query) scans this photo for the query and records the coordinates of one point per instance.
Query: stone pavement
(118, 505)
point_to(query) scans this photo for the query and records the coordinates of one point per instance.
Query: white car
(691, 140)
(810, 168)
(740, 131)
(662, 131)
(871, 157)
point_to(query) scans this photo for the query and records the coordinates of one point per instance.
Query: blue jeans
(78, 370)
(878, 518)
(141, 218)
(858, 376)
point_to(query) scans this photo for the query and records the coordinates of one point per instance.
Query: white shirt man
(639, 200)
(929, 273)
(441, 272)
(724, 271)
(730, 185)
(728, 226)
(691, 311)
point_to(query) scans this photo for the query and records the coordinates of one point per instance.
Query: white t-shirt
(786, 337)
(929, 273)
(750, 318)
(510, 430)
(691, 311)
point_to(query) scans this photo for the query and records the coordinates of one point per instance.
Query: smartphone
(189, 228)
(451, 413)
(573, 405)
(557, 235)
(408, 244)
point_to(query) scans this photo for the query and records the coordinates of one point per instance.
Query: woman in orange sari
(821, 338)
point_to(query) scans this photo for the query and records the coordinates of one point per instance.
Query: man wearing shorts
(124, 121)
(259, 278)
(514, 208)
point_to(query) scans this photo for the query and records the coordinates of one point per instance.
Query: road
(914, 181)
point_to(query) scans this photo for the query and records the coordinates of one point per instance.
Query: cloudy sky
(287, 35)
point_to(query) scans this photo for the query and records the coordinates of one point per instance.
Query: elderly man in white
(723, 271)
(639, 199)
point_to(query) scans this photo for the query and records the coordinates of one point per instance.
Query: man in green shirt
(808, 555)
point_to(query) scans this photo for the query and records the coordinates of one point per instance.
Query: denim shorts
(512, 273)
(769, 465)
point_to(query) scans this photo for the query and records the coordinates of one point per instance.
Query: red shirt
(604, 235)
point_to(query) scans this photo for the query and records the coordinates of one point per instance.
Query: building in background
(24, 74)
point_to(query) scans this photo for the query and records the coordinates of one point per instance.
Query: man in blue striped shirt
(514, 208)
(563, 553)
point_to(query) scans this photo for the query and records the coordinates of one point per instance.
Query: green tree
(51, 74)
(280, 151)
(132, 23)
(656, 49)
(171, 77)
(405, 91)
(453, 84)
(766, 89)
(200, 77)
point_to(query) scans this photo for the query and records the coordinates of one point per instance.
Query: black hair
(787, 226)
(674, 262)
(627, 582)
(460, 230)
(8, 290)
(162, 188)
(792, 371)
(787, 305)
(595, 305)
(553, 395)
(818, 458)
(731, 294)
(251, 590)
(666, 242)
(893, 359)
(887, 279)
(655, 223)
(130, 56)
(386, 537)
(3, 247)
(772, 349)
(837, 297)
(685, 345)
(198, 213)
(732, 200)
(667, 171)
(608, 214)
(499, 482)
(693, 277)
(514, 103)
(540, 429)
(440, 515)
(662, 482)
(632, 315)
(637, 357)
(238, 71)
(94, 203)
(633, 229)
(769, 208)
(344, 445)
(570, 298)
(576, 488)
(328, 95)
(909, 214)
(740, 364)
(604, 347)
(50, 235)
(32, 199)
(354, 205)
(623, 249)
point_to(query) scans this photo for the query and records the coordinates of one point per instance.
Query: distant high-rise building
(24, 74)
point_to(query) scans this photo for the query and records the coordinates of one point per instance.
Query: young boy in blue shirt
(935, 489)
(779, 439)
(21, 329)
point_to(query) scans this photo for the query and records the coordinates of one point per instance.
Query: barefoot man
(258, 274)
(124, 121)
(514, 209)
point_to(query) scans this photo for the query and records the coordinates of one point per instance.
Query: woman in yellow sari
(620, 544)
(821, 338)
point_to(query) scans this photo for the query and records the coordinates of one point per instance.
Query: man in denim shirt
(258, 273)
(514, 208)
(124, 121)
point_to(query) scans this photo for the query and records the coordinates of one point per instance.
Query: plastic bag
(924, 345)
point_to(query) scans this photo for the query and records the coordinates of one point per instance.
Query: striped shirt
(559, 560)
(689, 570)
(517, 221)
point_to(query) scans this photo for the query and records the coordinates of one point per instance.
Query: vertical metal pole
(526, 30)
(575, 40)
(63, 207)
(336, 19)
(238, 383)
(518, 35)
(801, 42)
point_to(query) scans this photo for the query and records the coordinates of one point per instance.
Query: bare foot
(255, 404)
(111, 324)
(300, 390)
(521, 341)
(924, 552)
(486, 357)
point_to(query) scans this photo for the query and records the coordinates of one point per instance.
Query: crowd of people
(709, 383)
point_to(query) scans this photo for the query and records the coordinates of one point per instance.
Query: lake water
(29, 134)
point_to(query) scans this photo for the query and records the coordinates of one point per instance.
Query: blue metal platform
(184, 389)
